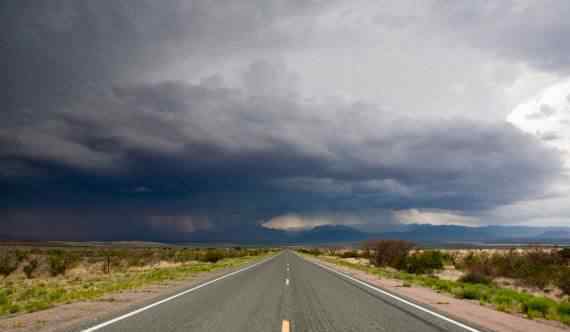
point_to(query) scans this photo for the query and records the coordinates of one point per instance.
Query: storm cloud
(126, 120)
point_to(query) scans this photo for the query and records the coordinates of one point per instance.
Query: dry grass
(67, 275)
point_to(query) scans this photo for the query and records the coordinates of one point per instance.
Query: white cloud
(547, 116)
(435, 217)
(294, 221)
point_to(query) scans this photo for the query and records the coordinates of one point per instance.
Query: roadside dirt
(463, 310)
(66, 317)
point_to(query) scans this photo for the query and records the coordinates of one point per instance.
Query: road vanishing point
(284, 293)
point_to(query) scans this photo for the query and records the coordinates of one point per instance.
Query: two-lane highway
(285, 293)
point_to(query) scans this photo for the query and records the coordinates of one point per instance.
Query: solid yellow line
(286, 326)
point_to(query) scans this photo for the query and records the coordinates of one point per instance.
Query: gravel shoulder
(464, 310)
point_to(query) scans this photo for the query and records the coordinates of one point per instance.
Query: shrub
(442, 285)
(563, 281)
(60, 261)
(503, 300)
(472, 293)
(3, 298)
(424, 262)
(311, 251)
(331, 251)
(538, 305)
(30, 268)
(540, 268)
(184, 255)
(391, 253)
(474, 277)
(8, 263)
(480, 263)
(56, 265)
(564, 309)
(349, 254)
(565, 254)
(212, 256)
(458, 292)
(535, 268)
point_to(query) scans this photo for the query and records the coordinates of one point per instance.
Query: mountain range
(335, 234)
(420, 233)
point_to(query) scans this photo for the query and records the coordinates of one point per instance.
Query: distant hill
(485, 234)
(555, 234)
(421, 233)
(330, 234)
(262, 235)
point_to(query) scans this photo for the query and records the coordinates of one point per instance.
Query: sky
(148, 120)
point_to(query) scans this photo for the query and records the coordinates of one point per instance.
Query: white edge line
(447, 319)
(132, 313)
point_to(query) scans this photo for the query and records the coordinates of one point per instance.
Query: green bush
(442, 285)
(3, 297)
(424, 262)
(472, 293)
(564, 309)
(458, 292)
(538, 305)
(503, 300)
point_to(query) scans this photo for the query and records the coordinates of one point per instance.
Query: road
(285, 293)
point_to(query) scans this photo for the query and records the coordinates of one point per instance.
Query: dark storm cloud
(55, 50)
(91, 148)
(196, 149)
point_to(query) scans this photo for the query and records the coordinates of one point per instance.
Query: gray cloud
(526, 31)
(57, 51)
(172, 117)
(217, 148)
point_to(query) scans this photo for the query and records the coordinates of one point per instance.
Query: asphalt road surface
(284, 293)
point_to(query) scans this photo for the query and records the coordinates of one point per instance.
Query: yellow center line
(286, 326)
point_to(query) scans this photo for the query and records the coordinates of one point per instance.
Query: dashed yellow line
(286, 326)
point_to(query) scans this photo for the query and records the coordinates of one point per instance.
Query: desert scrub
(503, 299)
(424, 262)
(8, 263)
(30, 268)
(60, 261)
(564, 312)
(28, 295)
(475, 277)
(539, 307)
